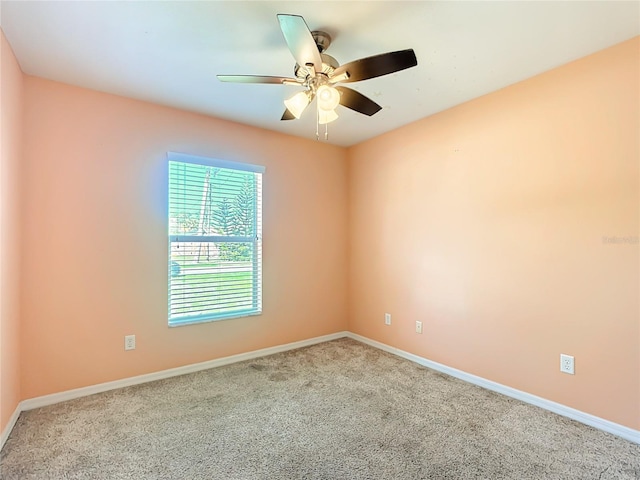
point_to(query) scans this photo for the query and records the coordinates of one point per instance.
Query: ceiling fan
(320, 73)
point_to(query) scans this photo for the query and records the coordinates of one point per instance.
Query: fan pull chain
(326, 126)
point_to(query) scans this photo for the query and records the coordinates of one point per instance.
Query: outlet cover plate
(418, 326)
(387, 319)
(567, 364)
(130, 342)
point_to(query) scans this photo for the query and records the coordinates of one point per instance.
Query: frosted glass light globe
(297, 103)
(328, 98)
(325, 117)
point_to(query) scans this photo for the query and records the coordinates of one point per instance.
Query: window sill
(183, 323)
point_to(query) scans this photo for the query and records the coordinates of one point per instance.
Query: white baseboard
(53, 398)
(45, 400)
(12, 422)
(582, 417)
(588, 419)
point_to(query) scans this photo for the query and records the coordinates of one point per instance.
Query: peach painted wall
(95, 244)
(486, 223)
(11, 98)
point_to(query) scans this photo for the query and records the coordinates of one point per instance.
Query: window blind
(215, 239)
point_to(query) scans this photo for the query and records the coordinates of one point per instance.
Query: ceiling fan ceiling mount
(320, 73)
(322, 39)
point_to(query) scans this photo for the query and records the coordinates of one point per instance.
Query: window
(215, 239)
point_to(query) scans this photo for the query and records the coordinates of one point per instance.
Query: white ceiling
(169, 52)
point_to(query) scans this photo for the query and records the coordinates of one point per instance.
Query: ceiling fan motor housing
(329, 64)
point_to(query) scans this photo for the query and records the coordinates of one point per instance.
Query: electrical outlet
(566, 364)
(387, 319)
(418, 327)
(130, 342)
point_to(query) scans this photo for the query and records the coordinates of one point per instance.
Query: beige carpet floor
(337, 410)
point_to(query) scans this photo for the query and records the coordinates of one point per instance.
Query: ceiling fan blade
(356, 101)
(300, 41)
(287, 115)
(376, 66)
(258, 79)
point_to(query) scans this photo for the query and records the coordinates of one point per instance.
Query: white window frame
(255, 240)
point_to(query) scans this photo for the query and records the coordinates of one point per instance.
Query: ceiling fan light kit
(318, 73)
